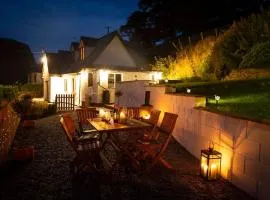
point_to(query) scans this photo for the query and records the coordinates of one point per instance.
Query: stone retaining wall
(245, 145)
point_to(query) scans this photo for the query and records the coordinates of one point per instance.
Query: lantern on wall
(210, 164)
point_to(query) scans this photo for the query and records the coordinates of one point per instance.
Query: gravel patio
(47, 176)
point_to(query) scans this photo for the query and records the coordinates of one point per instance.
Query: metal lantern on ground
(210, 164)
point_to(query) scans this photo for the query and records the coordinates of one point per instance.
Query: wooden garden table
(108, 131)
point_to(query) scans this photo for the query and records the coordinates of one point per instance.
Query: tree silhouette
(16, 61)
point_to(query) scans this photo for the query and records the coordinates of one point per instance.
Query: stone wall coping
(184, 94)
(267, 122)
(158, 86)
(133, 81)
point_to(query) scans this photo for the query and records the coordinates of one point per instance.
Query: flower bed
(9, 122)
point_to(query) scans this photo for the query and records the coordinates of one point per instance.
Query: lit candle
(122, 115)
(204, 168)
(213, 171)
(146, 116)
(101, 113)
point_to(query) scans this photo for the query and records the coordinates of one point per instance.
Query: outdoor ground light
(188, 90)
(217, 98)
(210, 164)
(166, 80)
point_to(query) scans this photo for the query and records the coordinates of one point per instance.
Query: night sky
(53, 24)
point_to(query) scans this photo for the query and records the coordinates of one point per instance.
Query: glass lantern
(210, 164)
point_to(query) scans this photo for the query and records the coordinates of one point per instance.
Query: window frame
(113, 85)
(65, 85)
(92, 79)
(73, 85)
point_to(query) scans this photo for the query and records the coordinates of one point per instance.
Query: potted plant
(23, 106)
(118, 94)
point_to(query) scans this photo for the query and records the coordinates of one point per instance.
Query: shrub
(165, 65)
(191, 62)
(37, 109)
(233, 46)
(35, 90)
(258, 56)
(8, 92)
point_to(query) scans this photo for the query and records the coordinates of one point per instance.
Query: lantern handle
(211, 146)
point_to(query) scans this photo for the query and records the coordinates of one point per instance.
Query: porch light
(44, 59)
(210, 164)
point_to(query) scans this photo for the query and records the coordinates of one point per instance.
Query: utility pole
(108, 28)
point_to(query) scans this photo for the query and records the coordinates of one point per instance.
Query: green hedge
(8, 92)
(35, 90)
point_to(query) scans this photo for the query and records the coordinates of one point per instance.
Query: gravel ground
(47, 176)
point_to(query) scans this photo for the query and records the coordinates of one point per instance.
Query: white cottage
(92, 66)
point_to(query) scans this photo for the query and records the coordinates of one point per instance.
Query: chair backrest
(69, 127)
(154, 116)
(133, 112)
(86, 113)
(168, 122)
(167, 126)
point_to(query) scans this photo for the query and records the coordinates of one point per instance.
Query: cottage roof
(74, 46)
(89, 41)
(60, 62)
(99, 44)
(103, 42)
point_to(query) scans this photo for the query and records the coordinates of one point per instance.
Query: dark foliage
(165, 21)
(36, 90)
(16, 60)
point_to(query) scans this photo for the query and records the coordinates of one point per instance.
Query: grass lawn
(248, 98)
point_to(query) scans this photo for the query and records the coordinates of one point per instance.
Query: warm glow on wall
(84, 74)
(103, 78)
(57, 87)
(157, 76)
(45, 70)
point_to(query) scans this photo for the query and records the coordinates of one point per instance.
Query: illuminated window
(118, 78)
(90, 79)
(113, 79)
(65, 85)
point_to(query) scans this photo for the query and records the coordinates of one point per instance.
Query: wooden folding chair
(83, 114)
(151, 133)
(145, 155)
(86, 148)
(133, 112)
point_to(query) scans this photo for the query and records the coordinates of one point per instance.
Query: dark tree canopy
(16, 61)
(166, 20)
